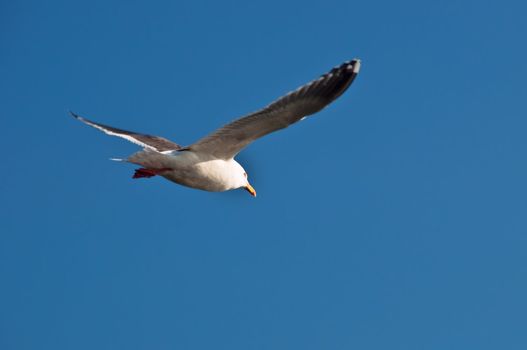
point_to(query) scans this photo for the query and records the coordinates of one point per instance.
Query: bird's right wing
(310, 98)
(155, 143)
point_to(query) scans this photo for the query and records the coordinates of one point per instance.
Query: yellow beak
(251, 190)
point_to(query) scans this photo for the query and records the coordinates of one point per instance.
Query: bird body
(209, 163)
(192, 169)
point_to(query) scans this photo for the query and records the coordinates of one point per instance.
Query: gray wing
(227, 141)
(156, 143)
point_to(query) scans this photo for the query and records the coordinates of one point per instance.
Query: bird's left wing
(310, 98)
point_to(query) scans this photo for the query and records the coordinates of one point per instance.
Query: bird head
(248, 186)
(239, 179)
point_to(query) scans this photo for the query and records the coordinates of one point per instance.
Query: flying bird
(209, 163)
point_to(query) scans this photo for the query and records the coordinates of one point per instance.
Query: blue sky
(394, 219)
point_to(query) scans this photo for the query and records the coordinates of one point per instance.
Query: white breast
(194, 170)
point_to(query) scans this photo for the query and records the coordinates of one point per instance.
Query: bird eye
(245, 174)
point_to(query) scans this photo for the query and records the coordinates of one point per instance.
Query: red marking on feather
(142, 172)
(147, 173)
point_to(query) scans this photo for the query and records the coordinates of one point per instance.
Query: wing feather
(308, 99)
(155, 143)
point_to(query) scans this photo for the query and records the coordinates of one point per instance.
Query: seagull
(209, 163)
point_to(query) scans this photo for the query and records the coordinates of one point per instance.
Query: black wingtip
(78, 117)
(355, 65)
(352, 66)
(337, 80)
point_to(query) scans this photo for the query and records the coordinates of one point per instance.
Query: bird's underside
(209, 163)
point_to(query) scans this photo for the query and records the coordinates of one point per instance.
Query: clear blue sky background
(394, 219)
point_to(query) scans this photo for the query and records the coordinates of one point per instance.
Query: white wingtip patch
(356, 66)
